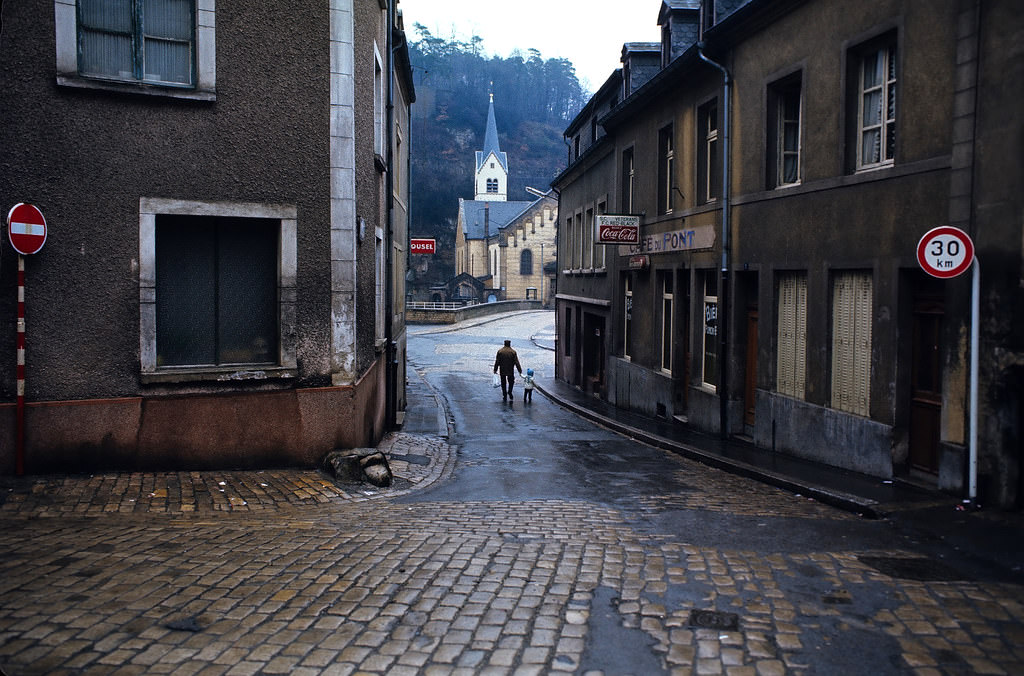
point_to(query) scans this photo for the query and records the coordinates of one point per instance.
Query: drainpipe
(391, 346)
(723, 314)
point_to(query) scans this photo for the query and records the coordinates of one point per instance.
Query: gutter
(723, 310)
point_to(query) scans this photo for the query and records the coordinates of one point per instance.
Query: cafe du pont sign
(616, 229)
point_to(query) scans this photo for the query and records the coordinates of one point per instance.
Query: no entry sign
(945, 252)
(26, 228)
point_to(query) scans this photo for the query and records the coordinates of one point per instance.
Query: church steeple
(491, 164)
(491, 135)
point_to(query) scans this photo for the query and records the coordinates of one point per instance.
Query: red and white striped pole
(19, 451)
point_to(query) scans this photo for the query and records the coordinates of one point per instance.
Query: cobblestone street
(290, 572)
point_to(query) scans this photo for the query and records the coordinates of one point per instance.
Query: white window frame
(587, 232)
(205, 87)
(599, 249)
(379, 328)
(710, 150)
(667, 321)
(851, 341)
(379, 123)
(791, 345)
(886, 91)
(149, 209)
(782, 122)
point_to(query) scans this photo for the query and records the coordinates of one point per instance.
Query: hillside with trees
(534, 100)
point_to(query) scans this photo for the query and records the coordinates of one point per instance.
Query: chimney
(487, 222)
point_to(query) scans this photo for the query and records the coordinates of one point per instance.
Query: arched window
(492, 185)
(526, 262)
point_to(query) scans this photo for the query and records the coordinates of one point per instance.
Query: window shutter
(851, 343)
(792, 335)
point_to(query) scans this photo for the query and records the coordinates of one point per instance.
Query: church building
(502, 246)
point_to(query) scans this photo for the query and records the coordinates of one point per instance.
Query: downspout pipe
(723, 314)
(391, 347)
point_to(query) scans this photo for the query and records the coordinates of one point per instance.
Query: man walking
(507, 361)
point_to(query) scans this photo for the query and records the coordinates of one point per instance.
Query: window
(526, 262)
(851, 342)
(874, 68)
(577, 238)
(216, 291)
(666, 170)
(588, 240)
(492, 185)
(709, 176)
(217, 287)
(784, 133)
(666, 322)
(627, 330)
(152, 41)
(378, 286)
(791, 351)
(709, 363)
(379, 123)
(627, 181)
(569, 244)
(602, 208)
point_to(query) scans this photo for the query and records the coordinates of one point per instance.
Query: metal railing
(428, 305)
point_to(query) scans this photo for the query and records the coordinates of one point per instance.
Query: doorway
(926, 384)
(593, 353)
(750, 379)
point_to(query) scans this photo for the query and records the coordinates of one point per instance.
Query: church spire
(491, 134)
(491, 164)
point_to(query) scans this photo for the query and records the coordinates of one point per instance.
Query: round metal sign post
(26, 229)
(946, 252)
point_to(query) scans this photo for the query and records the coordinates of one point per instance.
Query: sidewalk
(991, 534)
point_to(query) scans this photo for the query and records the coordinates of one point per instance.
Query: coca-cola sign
(617, 229)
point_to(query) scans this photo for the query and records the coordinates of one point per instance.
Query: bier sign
(616, 229)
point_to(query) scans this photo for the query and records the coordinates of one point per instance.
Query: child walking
(528, 386)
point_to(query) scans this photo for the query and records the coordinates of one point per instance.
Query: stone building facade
(220, 283)
(775, 291)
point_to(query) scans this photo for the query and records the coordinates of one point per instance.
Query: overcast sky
(590, 33)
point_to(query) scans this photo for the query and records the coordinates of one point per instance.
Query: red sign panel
(421, 246)
(26, 228)
(945, 252)
(614, 229)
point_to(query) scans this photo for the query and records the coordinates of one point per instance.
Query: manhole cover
(714, 619)
(918, 569)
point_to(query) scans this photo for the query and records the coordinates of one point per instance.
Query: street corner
(416, 460)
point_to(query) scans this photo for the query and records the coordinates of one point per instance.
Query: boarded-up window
(851, 342)
(791, 350)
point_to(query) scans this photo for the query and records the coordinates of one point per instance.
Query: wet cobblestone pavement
(290, 572)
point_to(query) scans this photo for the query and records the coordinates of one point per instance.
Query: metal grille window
(851, 342)
(216, 291)
(149, 41)
(791, 351)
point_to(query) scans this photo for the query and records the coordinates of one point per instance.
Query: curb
(845, 501)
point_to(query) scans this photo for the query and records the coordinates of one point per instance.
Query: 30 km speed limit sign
(945, 252)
